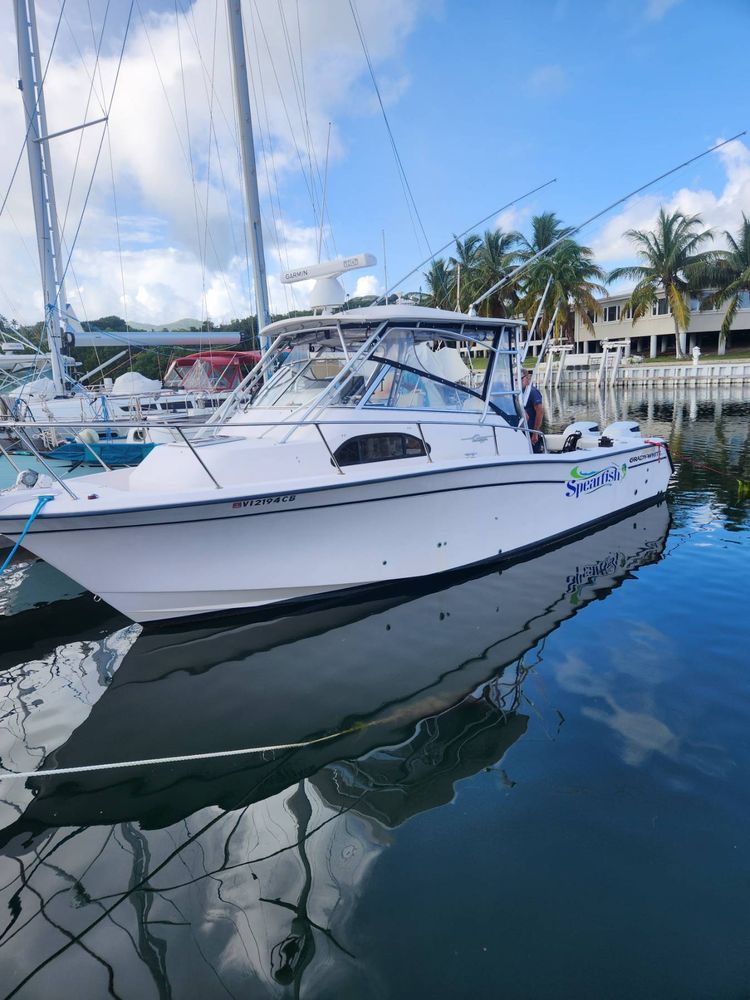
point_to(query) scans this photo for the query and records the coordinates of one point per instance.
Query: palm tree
(671, 263)
(439, 282)
(545, 229)
(497, 255)
(465, 272)
(576, 279)
(730, 274)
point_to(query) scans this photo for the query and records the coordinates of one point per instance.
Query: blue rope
(39, 505)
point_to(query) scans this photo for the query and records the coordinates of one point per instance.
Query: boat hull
(195, 559)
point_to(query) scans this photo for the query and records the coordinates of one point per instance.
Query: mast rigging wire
(445, 246)
(301, 99)
(61, 278)
(308, 180)
(266, 148)
(409, 195)
(28, 126)
(92, 78)
(194, 33)
(192, 165)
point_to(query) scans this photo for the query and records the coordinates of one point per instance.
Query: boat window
(301, 375)
(502, 395)
(198, 376)
(378, 448)
(421, 373)
(173, 378)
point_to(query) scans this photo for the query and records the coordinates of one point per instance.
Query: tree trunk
(677, 349)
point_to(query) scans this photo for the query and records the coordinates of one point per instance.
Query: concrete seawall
(704, 373)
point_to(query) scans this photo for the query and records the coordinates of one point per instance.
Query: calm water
(531, 783)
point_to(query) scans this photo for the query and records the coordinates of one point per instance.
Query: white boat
(370, 454)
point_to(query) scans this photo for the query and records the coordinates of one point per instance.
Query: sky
(484, 101)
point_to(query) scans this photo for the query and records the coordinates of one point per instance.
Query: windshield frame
(350, 342)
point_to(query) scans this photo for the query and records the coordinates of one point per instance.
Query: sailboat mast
(250, 173)
(42, 187)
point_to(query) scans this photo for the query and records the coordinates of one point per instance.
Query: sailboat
(45, 387)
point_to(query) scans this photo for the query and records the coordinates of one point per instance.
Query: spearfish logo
(588, 482)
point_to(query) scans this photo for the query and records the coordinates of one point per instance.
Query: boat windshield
(302, 372)
(408, 369)
(203, 374)
(419, 371)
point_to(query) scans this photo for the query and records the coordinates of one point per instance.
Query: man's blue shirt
(535, 398)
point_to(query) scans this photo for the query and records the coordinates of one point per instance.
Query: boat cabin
(394, 358)
(210, 371)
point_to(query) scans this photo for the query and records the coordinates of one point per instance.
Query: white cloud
(548, 81)
(513, 219)
(175, 123)
(368, 284)
(720, 211)
(656, 9)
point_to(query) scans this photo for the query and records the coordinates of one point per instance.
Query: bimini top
(400, 313)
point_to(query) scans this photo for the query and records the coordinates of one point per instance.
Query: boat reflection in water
(245, 871)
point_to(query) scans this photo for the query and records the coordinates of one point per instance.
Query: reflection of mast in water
(295, 952)
(290, 957)
(150, 948)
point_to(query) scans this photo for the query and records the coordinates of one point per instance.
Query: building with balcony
(653, 335)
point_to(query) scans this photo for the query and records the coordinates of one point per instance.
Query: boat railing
(22, 430)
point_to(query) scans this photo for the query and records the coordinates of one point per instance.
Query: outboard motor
(588, 428)
(622, 429)
(580, 434)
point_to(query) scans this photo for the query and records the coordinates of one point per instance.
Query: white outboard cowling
(622, 429)
(579, 434)
(588, 428)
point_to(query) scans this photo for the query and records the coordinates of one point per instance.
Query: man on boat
(534, 409)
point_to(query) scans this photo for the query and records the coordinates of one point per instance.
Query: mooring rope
(39, 505)
(743, 484)
(183, 758)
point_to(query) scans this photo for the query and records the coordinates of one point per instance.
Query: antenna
(328, 290)
(325, 192)
(385, 263)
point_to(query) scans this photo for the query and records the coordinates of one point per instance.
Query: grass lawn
(667, 359)
(741, 354)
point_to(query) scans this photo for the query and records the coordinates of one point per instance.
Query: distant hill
(179, 324)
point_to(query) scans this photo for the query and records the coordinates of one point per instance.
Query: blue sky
(485, 100)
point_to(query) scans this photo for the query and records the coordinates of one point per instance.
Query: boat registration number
(264, 501)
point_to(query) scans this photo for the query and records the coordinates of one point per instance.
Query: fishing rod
(570, 232)
(460, 235)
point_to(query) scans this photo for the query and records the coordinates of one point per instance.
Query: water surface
(524, 783)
